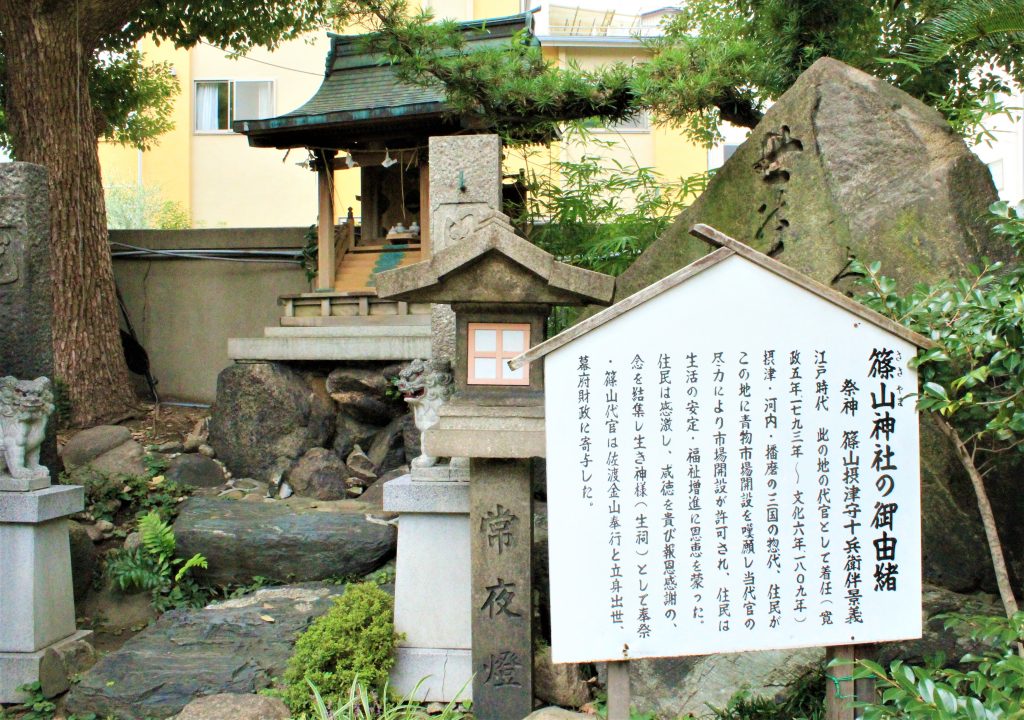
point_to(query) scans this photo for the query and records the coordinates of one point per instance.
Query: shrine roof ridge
(362, 93)
(727, 247)
(494, 233)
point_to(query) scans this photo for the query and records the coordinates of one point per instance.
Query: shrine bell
(501, 288)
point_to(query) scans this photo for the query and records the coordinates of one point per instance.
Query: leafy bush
(990, 686)
(149, 567)
(123, 497)
(355, 639)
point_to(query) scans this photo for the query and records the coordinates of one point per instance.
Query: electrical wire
(261, 62)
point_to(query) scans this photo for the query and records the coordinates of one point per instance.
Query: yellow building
(219, 181)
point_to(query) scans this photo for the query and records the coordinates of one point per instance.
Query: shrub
(990, 685)
(354, 641)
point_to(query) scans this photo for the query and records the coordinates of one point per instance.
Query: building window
(221, 102)
(491, 346)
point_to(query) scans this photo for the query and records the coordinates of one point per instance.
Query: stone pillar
(465, 183)
(26, 288)
(37, 608)
(501, 524)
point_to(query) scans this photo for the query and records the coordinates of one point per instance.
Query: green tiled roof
(360, 88)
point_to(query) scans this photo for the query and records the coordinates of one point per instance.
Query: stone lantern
(501, 289)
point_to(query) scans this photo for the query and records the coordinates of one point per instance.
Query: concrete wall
(184, 311)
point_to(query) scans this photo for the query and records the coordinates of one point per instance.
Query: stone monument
(37, 611)
(26, 296)
(501, 289)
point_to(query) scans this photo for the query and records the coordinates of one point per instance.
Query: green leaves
(975, 376)
(988, 686)
(149, 567)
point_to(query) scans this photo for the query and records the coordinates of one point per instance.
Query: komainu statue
(426, 385)
(25, 406)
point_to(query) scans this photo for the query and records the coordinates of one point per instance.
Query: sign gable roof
(727, 247)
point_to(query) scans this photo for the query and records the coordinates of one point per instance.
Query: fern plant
(153, 567)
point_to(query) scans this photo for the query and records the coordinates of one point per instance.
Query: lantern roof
(489, 263)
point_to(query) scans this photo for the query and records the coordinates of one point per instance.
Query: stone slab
(36, 593)
(13, 484)
(433, 675)
(442, 472)
(405, 495)
(432, 585)
(368, 347)
(487, 431)
(44, 666)
(39, 506)
(465, 170)
(419, 326)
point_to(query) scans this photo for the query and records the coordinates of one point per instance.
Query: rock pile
(328, 436)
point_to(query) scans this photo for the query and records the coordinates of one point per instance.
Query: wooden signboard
(733, 465)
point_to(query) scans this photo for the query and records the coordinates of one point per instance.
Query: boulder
(93, 454)
(842, 166)
(195, 470)
(673, 687)
(373, 496)
(198, 435)
(563, 684)
(361, 393)
(387, 450)
(280, 540)
(557, 713)
(350, 432)
(228, 647)
(265, 412)
(83, 559)
(319, 474)
(236, 707)
(87, 445)
(361, 467)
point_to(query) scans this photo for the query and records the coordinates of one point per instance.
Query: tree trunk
(988, 518)
(49, 113)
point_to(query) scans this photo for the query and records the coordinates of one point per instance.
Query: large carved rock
(842, 166)
(266, 413)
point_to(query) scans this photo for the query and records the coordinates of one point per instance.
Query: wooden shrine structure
(365, 119)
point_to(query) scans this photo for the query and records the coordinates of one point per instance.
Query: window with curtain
(221, 102)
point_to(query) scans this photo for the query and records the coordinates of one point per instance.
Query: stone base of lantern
(37, 609)
(432, 584)
(46, 666)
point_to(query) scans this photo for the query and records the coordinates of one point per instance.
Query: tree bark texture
(48, 46)
(988, 518)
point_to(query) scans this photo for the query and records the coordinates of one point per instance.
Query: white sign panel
(732, 465)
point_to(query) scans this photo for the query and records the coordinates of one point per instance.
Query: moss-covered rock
(845, 166)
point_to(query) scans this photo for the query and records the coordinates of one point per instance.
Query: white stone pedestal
(432, 584)
(37, 610)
